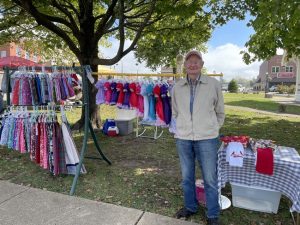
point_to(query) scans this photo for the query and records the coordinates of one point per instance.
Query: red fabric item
(159, 105)
(140, 100)
(74, 76)
(265, 161)
(121, 95)
(107, 92)
(15, 93)
(242, 139)
(133, 101)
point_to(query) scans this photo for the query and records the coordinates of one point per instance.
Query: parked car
(273, 88)
(241, 88)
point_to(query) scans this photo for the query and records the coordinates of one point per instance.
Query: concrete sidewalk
(20, 205)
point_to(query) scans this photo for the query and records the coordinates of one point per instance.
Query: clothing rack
(87, 121)
(178, 75)
(158, 131)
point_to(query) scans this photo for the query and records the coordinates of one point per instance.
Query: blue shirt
(193, 86)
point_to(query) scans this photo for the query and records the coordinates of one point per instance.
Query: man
(198, 108)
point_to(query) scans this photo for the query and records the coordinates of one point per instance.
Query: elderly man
(198, 108)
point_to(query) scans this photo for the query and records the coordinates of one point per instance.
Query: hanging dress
(166, 103)
(114, 95)
(100, 97)
(26, 92)
(152, 113)
(146, 102)
(140, 103)
(126, 91)
(160, 121)
(133, 96)
(107, 93)
(15, 92)
(120, 95)
(71, 156)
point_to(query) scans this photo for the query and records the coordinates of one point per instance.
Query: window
(288, 69)
(275, 69)
(18, 51)
(27, 55)
(3, 54)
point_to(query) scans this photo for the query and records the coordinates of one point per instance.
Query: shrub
(286, 89)
(291, 89)
(282, 89)
(233, 86)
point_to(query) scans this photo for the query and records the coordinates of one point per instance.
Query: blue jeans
(205, 151)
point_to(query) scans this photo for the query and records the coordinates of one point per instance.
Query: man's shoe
(213, 221)
(183, 213)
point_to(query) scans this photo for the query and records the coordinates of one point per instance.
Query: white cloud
(228, 60)
(225, 58)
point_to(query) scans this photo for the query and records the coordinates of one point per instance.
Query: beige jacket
(208, 110)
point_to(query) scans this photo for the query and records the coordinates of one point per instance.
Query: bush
(286, 89)
(233, 86)
(292, 89)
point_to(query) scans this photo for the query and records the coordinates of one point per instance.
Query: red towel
(265, 161)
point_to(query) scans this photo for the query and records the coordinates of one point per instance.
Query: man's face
(193, 66)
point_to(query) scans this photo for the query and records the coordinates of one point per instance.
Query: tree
(276, 25)
(233, 86)
(180, 36)
(82, 24)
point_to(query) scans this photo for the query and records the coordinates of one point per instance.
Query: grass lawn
(145, 173)
(257, 101)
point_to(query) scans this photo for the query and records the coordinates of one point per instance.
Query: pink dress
(140, 103)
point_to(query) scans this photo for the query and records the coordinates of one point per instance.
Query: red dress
(121, 95)
(107, 92)
(133, 101)
(15, 92)
(159, 106)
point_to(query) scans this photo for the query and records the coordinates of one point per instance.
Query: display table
(285, 179)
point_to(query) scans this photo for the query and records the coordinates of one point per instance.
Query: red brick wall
(11, 50)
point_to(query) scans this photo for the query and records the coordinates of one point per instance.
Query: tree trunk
(94, 109)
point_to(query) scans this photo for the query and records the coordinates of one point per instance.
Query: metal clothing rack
(87, 121)
(158, 131)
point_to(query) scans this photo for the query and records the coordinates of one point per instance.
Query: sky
(223, 55)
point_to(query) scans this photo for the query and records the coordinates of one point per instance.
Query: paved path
(20, 205)
(262, 111)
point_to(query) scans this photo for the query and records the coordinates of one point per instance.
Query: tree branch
(133, 44)
(71, 6)
(100, 28)
(28, 6)
(72, 23)
(121, 28)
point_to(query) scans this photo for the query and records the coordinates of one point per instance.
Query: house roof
(14, 61)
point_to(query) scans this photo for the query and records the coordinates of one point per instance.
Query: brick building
(13, 49)
(277, 73)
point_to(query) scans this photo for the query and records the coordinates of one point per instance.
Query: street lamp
(137, 68)
(267, 82)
